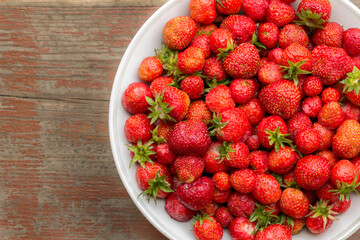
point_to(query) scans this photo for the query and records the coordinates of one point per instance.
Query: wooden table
(57, 63)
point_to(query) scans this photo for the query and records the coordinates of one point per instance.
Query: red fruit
(164, 155)
(326, 193)
(342, 172)
(351, 111)
(321, 7)
(331, 35)
(138, 127)
(280, 13)
(242, 90)
(149, 69)
(177, 210)
(220, 38)
(311, 172)
(293, 33)
(191, 60)
(275, 55)
(272, 128)
(189, 168)
(133, 99)
(330, 94)
(328, 155)
(193, 86)
(199, 111)
(254, 111)
(158, 85)
(307, 141)
(297, 123)
(274, 232)
(206, 227)
(228, 7)
(202, 42)
(255, 9)
(235, 155)
(294, 203)
(320, 218)
(341, 206)
(196, 195)
(221, 181)
(223, 216)
(325, 135)
(219, 99)
(241, 27)
(269, 35)
(253, 142)
(178, 32)
(243, 180)
(241, 229)
(241, 204)
(267, 189)
(312, 86)
(282, 161)
(163, 131)
(243, 62)
(190, 137)
(209, 209)
(259, 161)
(205, 29)
(331, 115)
(311, 106)
(270, 72)
(203, 11)
(213, 68)
(221, 196)
(212, 158)
(351, 41)
(298, 225)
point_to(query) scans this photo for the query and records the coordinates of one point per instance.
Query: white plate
(145, 41)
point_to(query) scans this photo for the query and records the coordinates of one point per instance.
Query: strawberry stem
(278, 139)
(310, 19)
(159, 109)
(293, 70)
(141, 153)
(224, 151)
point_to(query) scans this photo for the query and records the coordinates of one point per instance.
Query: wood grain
(58, 60)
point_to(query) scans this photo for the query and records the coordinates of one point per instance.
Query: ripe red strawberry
(311, 172)
(202, 42)
(269, 35)
(162, 132)
(154, 180)
(133, 99)
(294, 203)
(228, 7)
(307, 141)
(331, 35)
(326, 193)
(189, 168)
(255, 9)
(312, 86)
(254, 111)
(209, 209)
(191, 60)
(321, 7)
(196, 195)
(235, 155)
(206, 227)
(223, 216)
(351, 41)
(164, 155)
(213, 68)
(341, 206)
(326, 136)
(149, 69)
(220, 40)
(331, 115)
(330, 94)
(241, 27)
(177, 210)
(193, 86)
(267, 189)
(270, 72)
(351, 111)
(297, 226)
(275, 55)
(342, 177)
(203, 11)
(283, 160)
(205, 29)
(138, 127)
(158, 85)
(241, 204)
(259, 161)
(320, 218)
(280, 13)
(240, 228)
(243, 180)
(221, 181)
(212, 158)
(242, 90)
(352, 86)
(293, 33)
(190, 137)
(243, 62)
(199, 111)
(281, 98)
(297, 123)
(311, 106)
(219, 99)
(221, 196)
(274, 232)
(178, 32)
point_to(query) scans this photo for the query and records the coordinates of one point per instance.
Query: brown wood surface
(58, 60)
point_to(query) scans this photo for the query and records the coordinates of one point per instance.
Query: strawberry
(206, 227)
(199, 111)
(241, 27)
(326, 136)
(213, 68)
(243, 62)
(243, 180)
(296, 227)
(294, 203)
(221, 181)
(240, 228)
(311, 106)
(351, 111)
(164, 155)
(158, 85)
(275, 55)
(292, 33)
(242, 90)
(326, 193)
(254, 111)
(142, 152)
(212, 158)
(313, 13)
(202, 42)
(196, 195)
(205, 29)
(133, 99)
(344, 177)
(311, 172)
(178, 32)
(270, 72)
(320, 218)
(219, 99)
(269, 35)
(352, 86)
(162, 132)
(351, 41)
(331, 115)
(203, 11)
(138, 127)
(282, 161)
(220, 40)
(177, 210)
(255, 9)
(307, 141)
(280, 13)
(241, 204)
(221, 196)
(331, 35)
(330, 94)
(281, 98)
(223, 216)
(149, 69)
(341, 206)
(209, 209)
(259, 161)
(297, 123)
(189, 168)
(191, 60)
(267, 189)
(228, 7)
(312, 86)
(190, 137)
(193, 86)
(235, 155)
(274, 232)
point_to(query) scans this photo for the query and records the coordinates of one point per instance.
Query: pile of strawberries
(249, 120)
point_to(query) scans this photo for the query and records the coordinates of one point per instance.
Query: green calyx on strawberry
(323, 210)
(159, 109)
(223, 52)
(278, 139)
(282, 218)
(201, 217)
(263, 217)
(293, 70)
(352, 82)
(289, 184)
(156, 184)
(344, 189)
(156, 138)
(224, 151)
(141, 153)
(168, 59)
(213, 83)
(310, 19)
(217, 124)
(255, 41)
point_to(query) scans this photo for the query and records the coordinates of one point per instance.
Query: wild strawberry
(351, 41)
(235, 155)
(312, 86)
(331, 35)
(326, 136)
(283, 160)
(259, 161)
(219, 99)
(199, 111)
(164, 155)
(149, 69)
(178, 32)
(281, 98)
(311, 172)
(196, 195)
(280, 13)
(228, 7)
(191, 60)
(133, 99)
(220, 40)
(241, 228)
(138, 127)
(293, 33)
(275, 55)
(274, 232)
(294, 203)
(243, 62)
(270, 72)
(213, 68)
(351, 111)
(297, 123)
(221, 181)
(254, 111)
(242, 90)
(158, 85)
(177, 210)
(320, 218)
(331, 115)
(311, 106)
(202, 42)
(243, 180)
(241, 204)
(189, 168)
(206, 227)
(241, 27)
(256, 10)
(154, 180)
(223, 216)
(330, 94)
(193, 86)
(269, 35)
(203, 12)
(267, 189)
